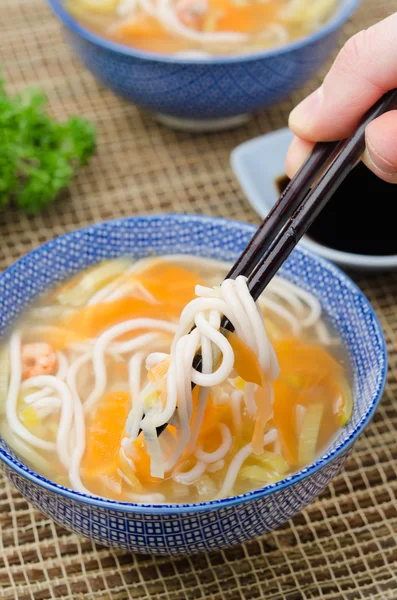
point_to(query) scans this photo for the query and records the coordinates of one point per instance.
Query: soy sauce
(360, 217)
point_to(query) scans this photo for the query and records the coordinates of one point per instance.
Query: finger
(381, 153)
(298, 151)
(364, 70)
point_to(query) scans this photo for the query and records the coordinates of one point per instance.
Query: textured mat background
(344, 546)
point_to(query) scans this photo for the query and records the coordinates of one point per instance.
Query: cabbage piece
(154, 450)
(309, 435)
(307, 11)
(29, 417)
(26, 452)
(206, 487)
(347, 409)
(268, 467)
(179, 491)
(273, 462)
(91, 282)
(85, 8)
(318, 11)
(259, 474)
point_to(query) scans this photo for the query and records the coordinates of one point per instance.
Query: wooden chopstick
(298, 206)
(288, 202)
(328, 165)
(346, 156)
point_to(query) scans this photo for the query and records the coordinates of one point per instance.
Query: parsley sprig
(38, 155)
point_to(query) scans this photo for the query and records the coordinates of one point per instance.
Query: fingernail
(379, 161)
(305, 113)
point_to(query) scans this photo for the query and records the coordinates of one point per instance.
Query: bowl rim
(343, 12)
(159, 509)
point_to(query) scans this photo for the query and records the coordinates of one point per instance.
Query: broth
(92, 363)
(350, 222)
(202, 27)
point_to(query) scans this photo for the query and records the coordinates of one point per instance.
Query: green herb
(38, 156)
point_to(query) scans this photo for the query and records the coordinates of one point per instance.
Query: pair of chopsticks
(298, 206)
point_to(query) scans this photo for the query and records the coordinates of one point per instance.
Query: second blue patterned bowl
(188, 529)
(203, 94)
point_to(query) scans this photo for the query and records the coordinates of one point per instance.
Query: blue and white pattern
(183, 529)
(204, 88)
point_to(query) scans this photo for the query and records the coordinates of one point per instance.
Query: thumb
(364, 70)
(381, 146)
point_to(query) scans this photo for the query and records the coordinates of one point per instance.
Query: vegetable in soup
(102, 364)
(201, 28)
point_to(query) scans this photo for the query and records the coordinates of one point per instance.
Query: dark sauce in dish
(360, 217)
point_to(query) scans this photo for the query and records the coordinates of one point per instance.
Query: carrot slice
(247, 365)
(92, 320)
(170, 284)
(300, 357)
(285, 401)
(214, 415)
(141, 26)
(243, 17)
(246, 362)
(103, 439)
(141, 460)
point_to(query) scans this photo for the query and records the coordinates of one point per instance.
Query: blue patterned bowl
(204, 93)
(185, 529)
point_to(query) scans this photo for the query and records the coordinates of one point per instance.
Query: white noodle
(233, 470)
(103, 341)
(322, 333)
(134, 378)
(219, 453)
(66, 418)
(300, 415)
(207, 364)
(215, 467)
(126, 7)
(79, 425)
(34, 396)
(270, 437)
(50, 395)
(277, 288)
(183, 392)
(312, 303)
(103, 294)
(131, 345)
(282, 312)
(266, 355)
(47, 406)
(189, 477)
(249, 399)
(154, 359)
(12, 398)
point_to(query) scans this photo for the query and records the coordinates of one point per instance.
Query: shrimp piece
(192, 12)
(38, 359)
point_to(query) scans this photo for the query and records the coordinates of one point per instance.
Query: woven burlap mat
(344, 545)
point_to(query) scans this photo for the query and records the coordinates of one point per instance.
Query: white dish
(257, 164)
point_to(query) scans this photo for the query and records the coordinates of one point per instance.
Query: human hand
(364, 70)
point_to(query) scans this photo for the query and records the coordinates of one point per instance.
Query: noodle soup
(96, 382)
(200, 28)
